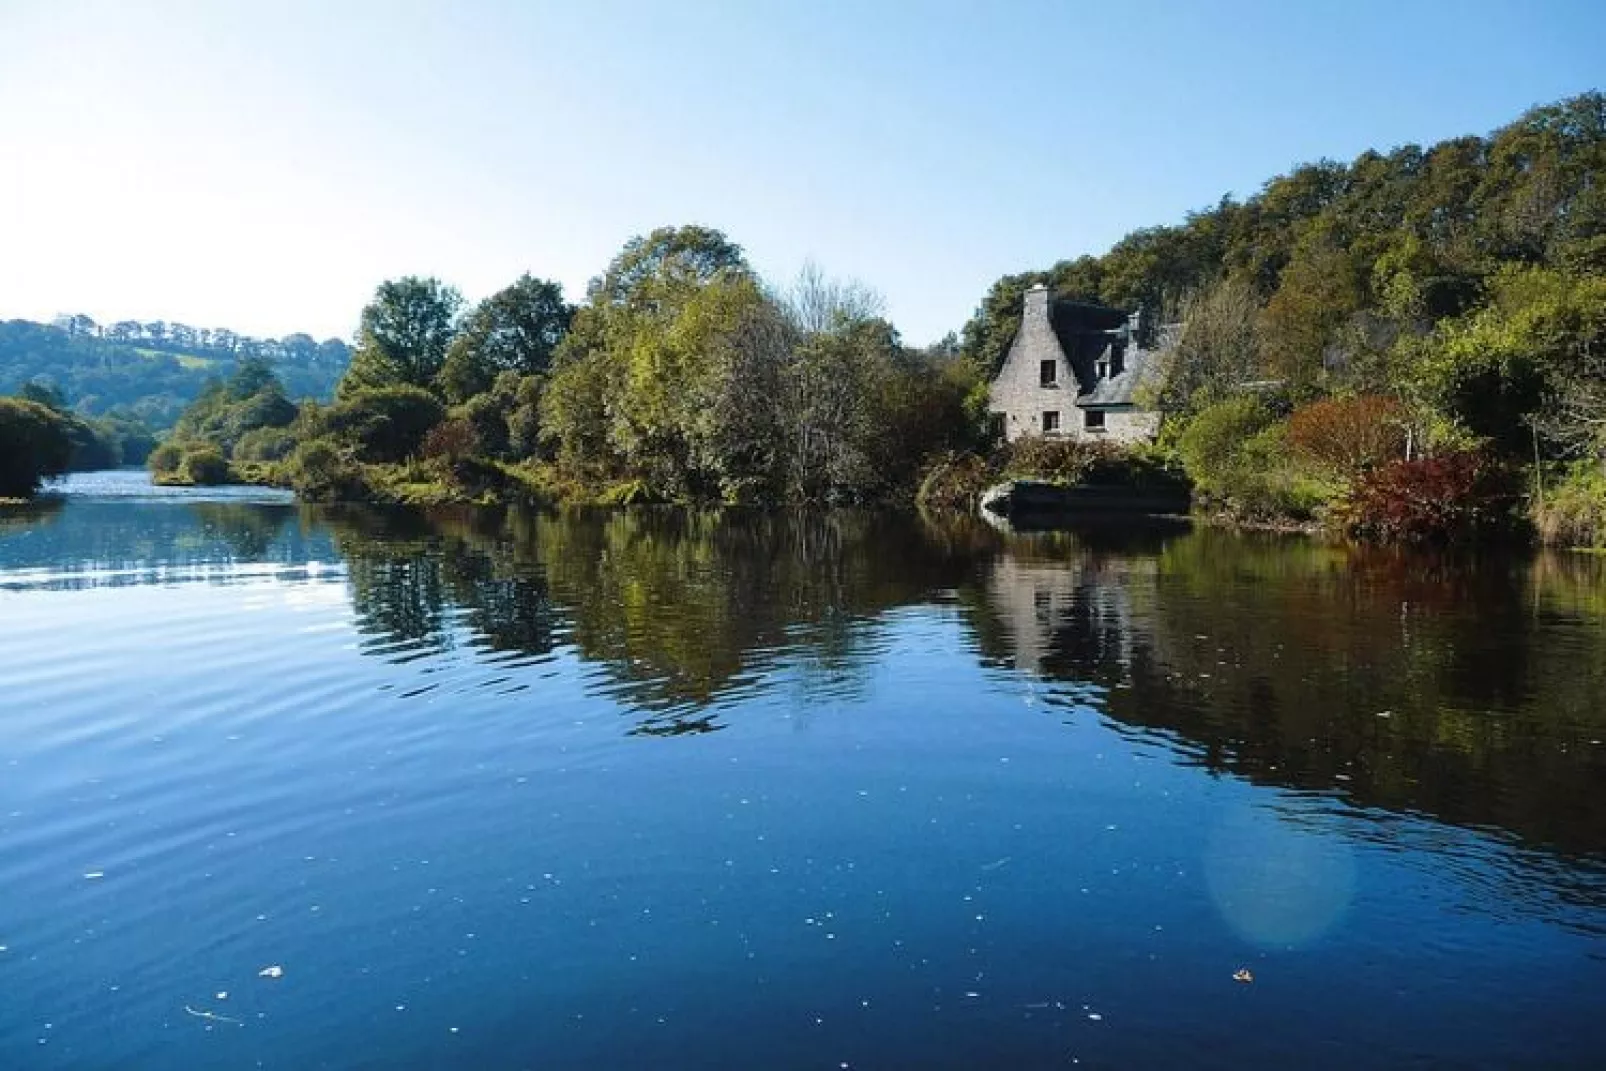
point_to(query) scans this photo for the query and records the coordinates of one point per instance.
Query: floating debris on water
(213, 1016)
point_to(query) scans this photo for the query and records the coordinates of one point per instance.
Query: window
(1048, 373)
(995, 426)
(1051, 422)
(1093, 419)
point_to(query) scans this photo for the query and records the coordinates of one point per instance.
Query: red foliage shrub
(1349, 434)
(1432, 500)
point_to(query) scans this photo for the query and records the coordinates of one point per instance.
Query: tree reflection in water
(1464, 689)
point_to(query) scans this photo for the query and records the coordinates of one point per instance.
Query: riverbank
(1434, 501)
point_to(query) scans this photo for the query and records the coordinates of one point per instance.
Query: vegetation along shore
(1407, 347)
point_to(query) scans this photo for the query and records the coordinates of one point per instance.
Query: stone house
(1073, 371)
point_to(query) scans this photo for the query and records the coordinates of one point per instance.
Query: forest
(1408, 346)
(149, 372)
(683, 377)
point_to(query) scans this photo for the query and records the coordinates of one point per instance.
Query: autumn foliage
(1432, 500)
(1349, 435)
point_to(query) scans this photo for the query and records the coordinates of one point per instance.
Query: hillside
(151, 371)
(1340, 260)
(1407, 343)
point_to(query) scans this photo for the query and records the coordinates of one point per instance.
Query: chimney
(1037, 304)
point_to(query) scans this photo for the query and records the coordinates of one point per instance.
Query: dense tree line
(148, 372)
(1440, 309)
(682, 377)
(1456, 293)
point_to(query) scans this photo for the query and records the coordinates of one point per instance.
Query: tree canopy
(35, 444)
(404, 334)
(513, 330)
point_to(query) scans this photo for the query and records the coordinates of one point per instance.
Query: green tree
(623, 378)
(513, 330)
(34, 445)
(650, 270)
(1531, 360)
(404, 335)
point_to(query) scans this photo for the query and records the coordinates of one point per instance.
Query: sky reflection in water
(512, 789)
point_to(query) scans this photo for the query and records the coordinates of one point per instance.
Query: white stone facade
(1039, 391)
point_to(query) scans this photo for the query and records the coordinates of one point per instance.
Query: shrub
(1439, 499)
(264, 444)
(1138, 467)
(266, 409)
(163, 461)
(451, 439)
(1573, 514)
(1347, 435)
(1264, 486)
(319, 470)
(1237, 452)
(385, 423)
(204, 466)
(485, 414)
(954, 482)
(1055, 460)
(1211, 445)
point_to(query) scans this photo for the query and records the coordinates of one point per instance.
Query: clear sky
(261, 166)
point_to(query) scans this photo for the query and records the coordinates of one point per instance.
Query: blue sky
(262, 166)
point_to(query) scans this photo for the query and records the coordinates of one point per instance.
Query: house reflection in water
(1067, 612)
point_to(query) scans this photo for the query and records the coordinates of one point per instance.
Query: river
(297, 787)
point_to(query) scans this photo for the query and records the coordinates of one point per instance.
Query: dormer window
(1048, 373)
(1103, 369)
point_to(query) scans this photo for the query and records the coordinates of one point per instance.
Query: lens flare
(1276, 883)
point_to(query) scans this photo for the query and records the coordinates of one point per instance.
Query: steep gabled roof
(1121, 389)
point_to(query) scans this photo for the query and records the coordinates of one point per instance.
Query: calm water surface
(663, 789)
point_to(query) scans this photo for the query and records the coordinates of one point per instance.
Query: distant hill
(151, 371)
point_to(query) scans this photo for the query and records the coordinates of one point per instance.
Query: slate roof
(1119, 390)
(1086, 331)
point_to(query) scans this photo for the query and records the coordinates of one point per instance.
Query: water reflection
(1464, 690)
(683, 612)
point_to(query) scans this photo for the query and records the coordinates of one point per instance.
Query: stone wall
(1017, 392)
(1131, 425)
